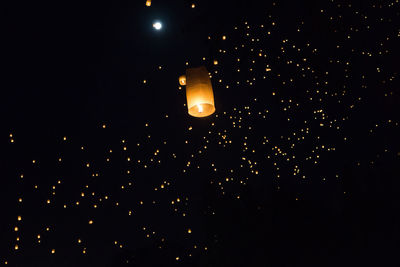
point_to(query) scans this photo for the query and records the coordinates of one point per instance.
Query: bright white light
(200, 108)
(157, 25)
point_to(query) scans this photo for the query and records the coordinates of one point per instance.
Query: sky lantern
(182, 80)
(148, 2)
(199, 92)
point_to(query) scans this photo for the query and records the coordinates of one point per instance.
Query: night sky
(101, 164)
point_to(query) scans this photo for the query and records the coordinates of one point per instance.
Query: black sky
(297, 167)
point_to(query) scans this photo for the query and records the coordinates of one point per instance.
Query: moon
(157, 25)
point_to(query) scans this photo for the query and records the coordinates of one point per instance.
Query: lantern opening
(201, 110)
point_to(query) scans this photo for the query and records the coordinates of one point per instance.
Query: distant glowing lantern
(199, 92)
(148, 3)
(182, 80)
(215, 62)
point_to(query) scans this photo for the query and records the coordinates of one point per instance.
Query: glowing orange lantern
(199, 92)
(148, 3)
(182, 80)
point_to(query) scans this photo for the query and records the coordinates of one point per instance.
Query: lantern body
(148, 2)
(199, 92)
(182, 80)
